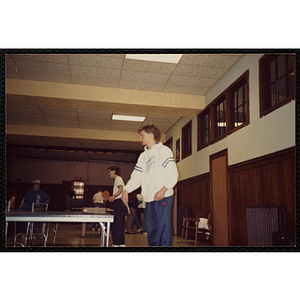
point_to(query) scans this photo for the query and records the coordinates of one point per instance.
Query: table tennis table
(62, 216)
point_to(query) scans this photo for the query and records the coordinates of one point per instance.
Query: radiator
(262, 222)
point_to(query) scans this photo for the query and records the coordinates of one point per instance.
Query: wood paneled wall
(194, 193)
(268, 180)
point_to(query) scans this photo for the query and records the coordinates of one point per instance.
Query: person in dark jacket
(35, 196)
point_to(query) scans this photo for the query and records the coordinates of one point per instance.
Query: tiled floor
(69, 235)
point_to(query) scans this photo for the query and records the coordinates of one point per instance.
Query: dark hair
(116, 169)
(151, 128)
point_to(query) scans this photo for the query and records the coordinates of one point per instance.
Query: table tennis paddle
(105, 194)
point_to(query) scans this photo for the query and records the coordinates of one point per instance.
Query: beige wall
(272, 133)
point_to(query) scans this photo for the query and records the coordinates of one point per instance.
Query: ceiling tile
(139, 85)
(199, 71)
(50, 77)
(94, 72)
(190, 90)
(105, 82)
(97, 60)
(53, 111)
(210, 60)
(27, 66)
(94, 119)
(13, 73)
(60, 116)
(145, 77)
(25, 114)
(191, 81)
(50, 58)
(9, 63)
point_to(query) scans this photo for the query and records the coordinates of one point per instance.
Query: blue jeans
(159, 229)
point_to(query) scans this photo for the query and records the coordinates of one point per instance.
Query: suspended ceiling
(60, 106)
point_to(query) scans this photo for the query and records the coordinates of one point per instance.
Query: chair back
(39, 207)
(205, 215)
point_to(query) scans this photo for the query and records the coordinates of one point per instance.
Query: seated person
(35, 196)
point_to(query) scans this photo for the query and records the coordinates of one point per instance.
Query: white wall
(269, 134)
(55, 172)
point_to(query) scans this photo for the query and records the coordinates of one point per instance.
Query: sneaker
(93, 229)
(139, 230)
(115, 245)
(145, 233)
(122, 246)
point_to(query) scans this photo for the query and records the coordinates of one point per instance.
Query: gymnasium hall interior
(228, 117)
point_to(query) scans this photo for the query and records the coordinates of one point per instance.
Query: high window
(187, 140)
(203, 128)
(238, 97)
(276, 81)
(226, 114)
(220, 117)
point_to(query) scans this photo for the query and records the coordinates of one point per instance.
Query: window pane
(273, 94)
(281, 65)
(221, 118)
(186, 140)
(273, 70)
(240, 96)
(205, 130)
(282, 93)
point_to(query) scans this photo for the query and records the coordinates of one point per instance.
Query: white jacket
(155, 168)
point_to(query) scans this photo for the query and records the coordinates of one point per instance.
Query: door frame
(211, 158)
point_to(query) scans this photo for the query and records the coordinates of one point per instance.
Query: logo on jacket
(149, 163)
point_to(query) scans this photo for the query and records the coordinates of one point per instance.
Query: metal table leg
(6, 226)
(26, 237)
(107, 234)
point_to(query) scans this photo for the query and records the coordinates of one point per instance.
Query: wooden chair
(200, 226)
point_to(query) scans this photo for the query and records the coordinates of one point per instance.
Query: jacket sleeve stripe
(138, 169)
(166, 162)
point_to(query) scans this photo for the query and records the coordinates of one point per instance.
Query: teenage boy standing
(157, 174)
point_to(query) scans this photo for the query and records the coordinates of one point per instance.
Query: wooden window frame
(226, 96)
(169, 143)
(200, 118)
(217, 118)
(265, 82)
(184, 138)
(243, 80)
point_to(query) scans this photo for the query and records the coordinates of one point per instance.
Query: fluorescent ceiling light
(166, 58)
(128, 118)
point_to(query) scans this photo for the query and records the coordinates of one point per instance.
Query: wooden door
(219, 199)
